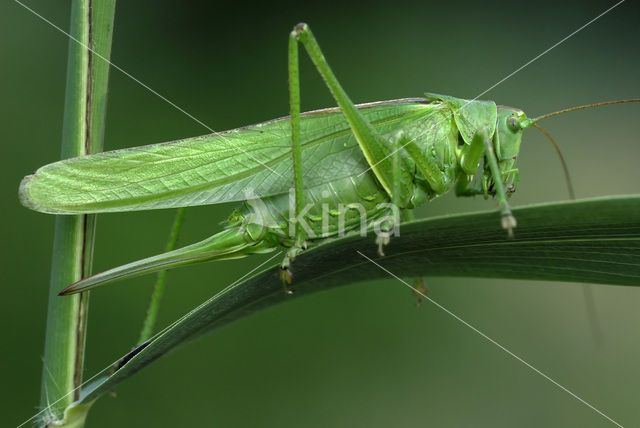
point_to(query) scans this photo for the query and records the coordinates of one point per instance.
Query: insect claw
(286, 278)
(382, 240)
(286, 289)
(509, 223)
(285, 268)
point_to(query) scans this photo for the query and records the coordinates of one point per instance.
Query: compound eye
(513, 123)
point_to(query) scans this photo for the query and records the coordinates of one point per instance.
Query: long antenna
(567, 177)
(588, 293)
(567, 110)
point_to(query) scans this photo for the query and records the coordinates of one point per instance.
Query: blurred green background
(362, 355)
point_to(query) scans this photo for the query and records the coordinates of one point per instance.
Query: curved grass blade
(588, 241)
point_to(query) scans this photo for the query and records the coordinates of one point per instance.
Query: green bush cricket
(350, 167)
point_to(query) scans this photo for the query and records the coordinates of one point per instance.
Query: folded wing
(227, 166)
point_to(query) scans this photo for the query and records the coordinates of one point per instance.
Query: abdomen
(334, 208)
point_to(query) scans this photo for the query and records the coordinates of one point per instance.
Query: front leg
(508, 220)
(481, 144)
(285, 267)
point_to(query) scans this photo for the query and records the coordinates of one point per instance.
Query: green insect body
(262, 225)
(357, 163)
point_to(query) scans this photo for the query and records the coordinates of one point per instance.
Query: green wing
(212, 168)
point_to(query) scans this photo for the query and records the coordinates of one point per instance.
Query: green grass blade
(588, 241)
(85, 108)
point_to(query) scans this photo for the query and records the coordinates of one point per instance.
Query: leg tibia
(376, 149)
(508, 220)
